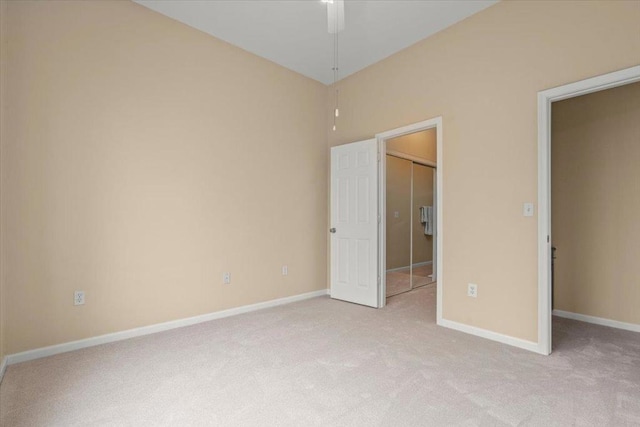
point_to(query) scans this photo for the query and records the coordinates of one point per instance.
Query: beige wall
(596, 203)
(422, 196)
(420, 144)
(398, 200)
(141, 159)
(482, 76)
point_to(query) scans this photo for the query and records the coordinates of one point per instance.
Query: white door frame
(545, 98)
(382, 205)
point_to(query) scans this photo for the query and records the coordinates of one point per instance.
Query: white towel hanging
(426, 217)
(423, 214)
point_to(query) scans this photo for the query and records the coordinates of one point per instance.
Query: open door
(354, 222)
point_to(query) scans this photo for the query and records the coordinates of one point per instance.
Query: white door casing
(545, 99)
(354, 222)
(438, 226)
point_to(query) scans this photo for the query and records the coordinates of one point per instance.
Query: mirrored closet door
(423, 225)
(398, 242)
(410, 226)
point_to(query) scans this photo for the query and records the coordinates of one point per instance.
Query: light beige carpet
(323, 362)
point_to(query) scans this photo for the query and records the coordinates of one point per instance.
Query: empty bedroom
(198, 202)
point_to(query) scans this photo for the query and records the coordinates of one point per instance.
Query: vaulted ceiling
(293, 33)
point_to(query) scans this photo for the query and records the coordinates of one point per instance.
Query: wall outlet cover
(78, 298)
(472, 290)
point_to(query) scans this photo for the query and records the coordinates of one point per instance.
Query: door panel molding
(354, 214)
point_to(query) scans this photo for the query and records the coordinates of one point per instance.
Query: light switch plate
(527, 209)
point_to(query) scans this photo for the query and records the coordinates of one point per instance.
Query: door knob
(332, 230)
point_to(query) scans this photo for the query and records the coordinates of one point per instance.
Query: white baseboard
(493, 336)
(418, 264)
(152, 329)
(3, 367)
(597, 320)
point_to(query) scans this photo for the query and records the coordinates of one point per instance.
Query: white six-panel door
(354, 222)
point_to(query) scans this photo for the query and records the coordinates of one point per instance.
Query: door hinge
(378, 280)
(378, 156)
(379, 219)
(547, 239)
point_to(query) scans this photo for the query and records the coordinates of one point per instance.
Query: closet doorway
(410, 211)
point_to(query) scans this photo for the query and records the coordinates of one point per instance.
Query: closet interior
(410, 212)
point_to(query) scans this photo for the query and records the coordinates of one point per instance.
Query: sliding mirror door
(423, 225)
(398, 226)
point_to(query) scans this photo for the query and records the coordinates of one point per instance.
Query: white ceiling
(293, 33)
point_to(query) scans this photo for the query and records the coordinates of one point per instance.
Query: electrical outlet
(226, 278)
(285, 270)
(472, 290)
(78, 298)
